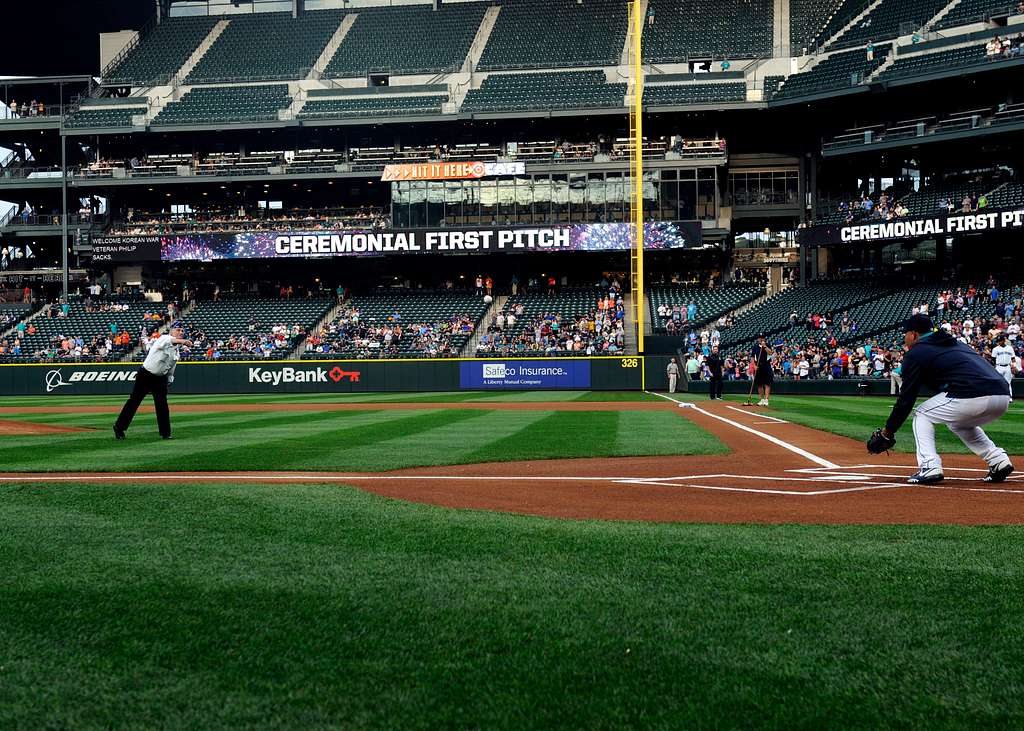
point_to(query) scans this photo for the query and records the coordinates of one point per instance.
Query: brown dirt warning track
(777, 472)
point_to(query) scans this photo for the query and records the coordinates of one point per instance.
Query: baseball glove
(879, 443)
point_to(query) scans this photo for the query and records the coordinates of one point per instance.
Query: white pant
(1006, 372)
(672, 383)
(964, 418)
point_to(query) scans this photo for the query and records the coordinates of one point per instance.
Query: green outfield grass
(369, 440)
(347, 398)
(857, 417)
(196, 606)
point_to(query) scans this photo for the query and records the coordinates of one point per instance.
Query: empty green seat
(267, 46)
(560, 90)
(546, 34)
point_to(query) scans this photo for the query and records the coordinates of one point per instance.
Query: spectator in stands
(869, 50)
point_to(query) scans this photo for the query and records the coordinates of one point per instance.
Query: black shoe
(998, 474)
(118, 434)
(926, 477)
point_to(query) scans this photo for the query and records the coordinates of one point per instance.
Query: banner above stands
(321, 244)
(910, 228)
(451, 170)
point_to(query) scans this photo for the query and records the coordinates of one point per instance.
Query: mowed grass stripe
(299, 441)
(144, 450)
(445, 441)
(557, 433)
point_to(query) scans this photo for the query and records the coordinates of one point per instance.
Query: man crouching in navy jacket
(969, 393)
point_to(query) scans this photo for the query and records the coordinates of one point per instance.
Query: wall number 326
(630, 362)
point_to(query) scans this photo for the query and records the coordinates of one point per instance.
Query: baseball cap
(177, 324)
(919, 324)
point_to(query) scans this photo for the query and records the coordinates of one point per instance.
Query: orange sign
(434, 171)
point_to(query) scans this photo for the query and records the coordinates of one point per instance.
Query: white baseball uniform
(1003, 355)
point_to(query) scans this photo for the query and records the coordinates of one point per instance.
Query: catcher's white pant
(964, 417)
(1006, 372)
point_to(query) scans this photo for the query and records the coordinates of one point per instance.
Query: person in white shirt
(1003, 356)
(152, 378)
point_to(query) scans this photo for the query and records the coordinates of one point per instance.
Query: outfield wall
(630, 373)
(334, 376)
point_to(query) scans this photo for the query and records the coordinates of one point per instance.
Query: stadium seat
(1010, 195)
(230, 317)
(655, 94)
(86, 325)
(546, 34)
(561, 90)
(837, 15)
(385, 105)
(226, 104)
(771, 317)
(838, 71)
(711, 303)
(428, 309)
(101, 117)
(686, 29)
(970, 11)
(924, 63)
(891, 19)
(163, 51)
(267, 46)
(407, 39)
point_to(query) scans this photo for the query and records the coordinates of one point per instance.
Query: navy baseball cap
(177, 324)
(918, 324)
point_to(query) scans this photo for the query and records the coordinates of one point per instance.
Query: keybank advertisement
(318, 376)
(523, 374)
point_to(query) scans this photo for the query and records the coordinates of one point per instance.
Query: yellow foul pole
(637, 171)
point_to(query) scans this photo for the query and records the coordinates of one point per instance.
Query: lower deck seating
(925, 63)
(655, 94)
(252, 328)
(226, 104)
(399, 324)
(708, 304)
(561, 90)
(576, 321)
(103, 117)
(790, 308)
(838, 71)
(83, 331)
(373, 106)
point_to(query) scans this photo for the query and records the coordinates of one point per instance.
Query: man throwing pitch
(154, 375)
(969, 394)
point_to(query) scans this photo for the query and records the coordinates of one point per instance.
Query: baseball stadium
(512, 364)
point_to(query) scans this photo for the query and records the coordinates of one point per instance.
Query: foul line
(759, 416)
(768, 437)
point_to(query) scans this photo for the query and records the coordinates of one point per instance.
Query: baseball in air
(488, 299)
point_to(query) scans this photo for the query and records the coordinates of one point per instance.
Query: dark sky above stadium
(50, 37)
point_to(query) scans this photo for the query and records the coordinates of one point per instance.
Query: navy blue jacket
(942, 363)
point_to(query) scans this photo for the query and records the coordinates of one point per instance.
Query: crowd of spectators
(598, 332)
(353, 335)
(867, 208)
(33, 108)
(212, 220)
(254, 344)
(1004, 47)
(835, 351)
